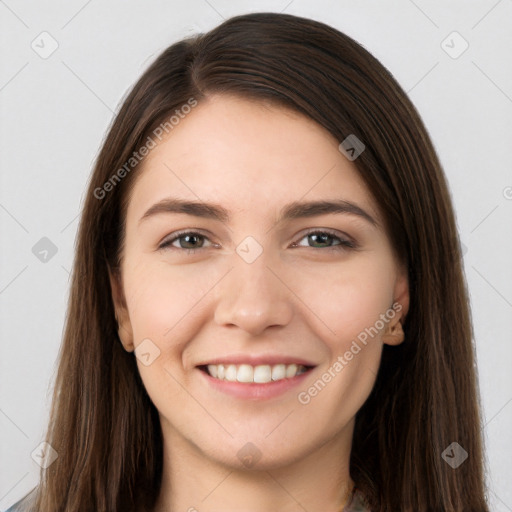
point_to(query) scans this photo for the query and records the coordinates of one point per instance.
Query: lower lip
(255, 391)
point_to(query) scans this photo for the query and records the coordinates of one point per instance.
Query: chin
(257, 455)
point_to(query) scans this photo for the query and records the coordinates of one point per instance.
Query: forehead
(248, 156)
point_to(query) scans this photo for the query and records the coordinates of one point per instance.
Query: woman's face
(271, 282)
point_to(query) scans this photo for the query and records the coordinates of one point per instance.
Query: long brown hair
(104, 426)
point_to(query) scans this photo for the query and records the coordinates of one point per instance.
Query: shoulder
(25, 504)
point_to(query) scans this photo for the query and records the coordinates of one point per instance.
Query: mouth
(257, 374)
(259, 382)
(254, 376)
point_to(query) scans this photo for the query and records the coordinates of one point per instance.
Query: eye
(191, 243)
(325, 237)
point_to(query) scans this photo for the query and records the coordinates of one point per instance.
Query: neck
(194, 482)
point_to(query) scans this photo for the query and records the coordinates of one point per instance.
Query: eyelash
(344, 244)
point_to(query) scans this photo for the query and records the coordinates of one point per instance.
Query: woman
(215, 357)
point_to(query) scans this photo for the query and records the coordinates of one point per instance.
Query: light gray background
(55, 111)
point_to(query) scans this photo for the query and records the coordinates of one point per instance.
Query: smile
(259, 382)
(261, 374)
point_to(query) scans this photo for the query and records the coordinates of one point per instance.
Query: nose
(253, 296)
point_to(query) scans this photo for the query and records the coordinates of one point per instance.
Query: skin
(297, 298)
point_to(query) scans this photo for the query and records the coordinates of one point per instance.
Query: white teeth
(291, 370)
(260, 374)
(230, 373)
(278, 372)
(245, 373)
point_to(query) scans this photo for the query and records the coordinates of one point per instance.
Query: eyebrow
(294, 210)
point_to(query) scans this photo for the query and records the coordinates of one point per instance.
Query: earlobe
(394, 334)
(122, 317)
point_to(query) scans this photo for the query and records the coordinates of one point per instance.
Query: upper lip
(256, 360)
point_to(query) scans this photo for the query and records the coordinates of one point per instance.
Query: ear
(124, 326)
(394, 333)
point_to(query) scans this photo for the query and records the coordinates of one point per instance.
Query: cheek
(163, 304)
(153, 303)
(349, 298)
(164, 301)
(350, 306)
